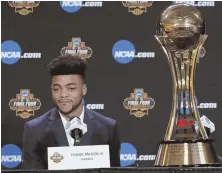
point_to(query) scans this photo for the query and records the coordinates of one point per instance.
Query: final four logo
(138, 103)
(23, 7)
(56, 157)
(24, 104)
(137, 7)
(77, 47)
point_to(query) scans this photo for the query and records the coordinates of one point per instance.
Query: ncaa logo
(123, 51)
(11, 52)
(128, 154)
(76, 42)
(11, 156)
(197, 3)
(71, 6)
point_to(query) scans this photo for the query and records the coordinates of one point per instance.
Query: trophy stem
(183, 144)
(184, 108)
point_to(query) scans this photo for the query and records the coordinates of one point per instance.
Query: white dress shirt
(66, 124)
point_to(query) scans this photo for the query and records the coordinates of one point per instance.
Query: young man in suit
(49, 130)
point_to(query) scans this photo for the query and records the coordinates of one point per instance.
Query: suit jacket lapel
(57, 132)
(87, 138)
(56, 128)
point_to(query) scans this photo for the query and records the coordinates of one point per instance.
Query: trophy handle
(161, 42)
(203, 133)
(171, 124)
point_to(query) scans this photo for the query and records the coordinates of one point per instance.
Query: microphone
(207, 124)
(76, 134)
(78, 129)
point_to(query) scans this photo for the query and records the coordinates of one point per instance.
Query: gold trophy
(181, 33)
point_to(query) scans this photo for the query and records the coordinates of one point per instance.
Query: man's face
(67, 92)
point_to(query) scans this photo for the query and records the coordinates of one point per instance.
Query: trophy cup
(181, 34)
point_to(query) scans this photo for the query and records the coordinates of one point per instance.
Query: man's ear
(84, 89)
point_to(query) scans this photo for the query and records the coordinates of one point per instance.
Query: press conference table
(129, 170)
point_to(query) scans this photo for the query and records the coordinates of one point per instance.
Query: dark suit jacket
(48, 131)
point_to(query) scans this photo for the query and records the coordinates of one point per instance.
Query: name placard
(78, 157)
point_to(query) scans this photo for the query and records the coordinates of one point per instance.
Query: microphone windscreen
(76, 134)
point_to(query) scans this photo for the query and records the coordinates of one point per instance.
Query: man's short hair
(67, 64)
